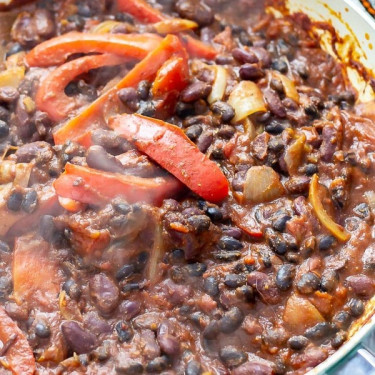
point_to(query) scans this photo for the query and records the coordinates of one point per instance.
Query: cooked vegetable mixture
(187, 188)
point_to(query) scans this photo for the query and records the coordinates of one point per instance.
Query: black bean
(347, 96)
(130, 367)
(196, 11)
(177, 255)
(125, 271)
(217, 154)
(122, 207)
(308, 283)
(276, 241)
(227, 256)
(4, 247)
(211, 286)
(15, 201)
(280, 223)
(5, 287)
(42, 330)
(326, 242)
(320, 331)
(275, 127)
(205, 140)
(141, 261)
(212, 330)
(329, 280)
(196, 269)
(214, 213)
(178, 274)
(232, 357)
(157, 365)
(339, 339)
(312, 111)
(342, 320)
(98, 158)
(72, 289)
(245, 39)
(230, 243)
(129, 97)
(195, 91)
(363, 211)
(226, 131)
(277, 85)
(15, 48)
(298, 342)
(143, 90)
(224, 110)
(266, 259)
(311, 169)
(280, 65)
(231, 320)
(356, 307)
(303, 71)
(124, 331)
(47, 228)
(30, 201)
(146, 108)
(4, 114)
(244, 56)
(234, 281)
(84, 10)
(78, 339)
(285, 276)
(199, 319)
(200, 223)
(193, 132)
(124, 17)
(184, 109)
(251, 72)
(246, 292)
(193, 368)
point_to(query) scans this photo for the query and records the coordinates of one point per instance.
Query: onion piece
(12, 77)
(22, 176)
(246, 99)
(314, 198)
(294, 154)
(220, 84)
(262, 184)
(289, 86)
(174, 25)
(300, 313)
(105, 27)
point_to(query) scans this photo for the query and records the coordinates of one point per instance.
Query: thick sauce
(267, 281)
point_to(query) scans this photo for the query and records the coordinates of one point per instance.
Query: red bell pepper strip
(56, 50)
(93, 116)
(172, 76)
(146, 13)
(19, 355)
(196, 48)
(87, 185)
(140, 10)
(51, 97)
(172, 149)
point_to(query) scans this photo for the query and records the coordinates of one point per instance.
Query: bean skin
(197, 90)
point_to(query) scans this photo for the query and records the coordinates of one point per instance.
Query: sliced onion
(12, 77)
(300, 313)
(262, 184)
(294, 154)
(105, 27)
(220, 84)
(174, 25)
(246, 99)
(249, 128)
(314, 197)
(157, 253)
(23, 171)
(289, 86)
(7, 171)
